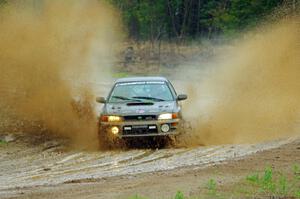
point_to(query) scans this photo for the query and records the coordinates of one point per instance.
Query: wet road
(33, 166)
(27, 166)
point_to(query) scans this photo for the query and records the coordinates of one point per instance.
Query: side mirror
(181, 97)
(101, 100)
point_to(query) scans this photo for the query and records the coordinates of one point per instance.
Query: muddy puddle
(28, 165)
(22, 166)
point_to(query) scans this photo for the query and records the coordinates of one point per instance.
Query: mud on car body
(140, 107)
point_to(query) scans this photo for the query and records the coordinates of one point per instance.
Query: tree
(180, 19)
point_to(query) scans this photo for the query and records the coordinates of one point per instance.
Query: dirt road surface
(43, 170)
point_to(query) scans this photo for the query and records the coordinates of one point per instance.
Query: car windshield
(141, 92)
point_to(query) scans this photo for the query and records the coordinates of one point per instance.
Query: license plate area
(139, 129)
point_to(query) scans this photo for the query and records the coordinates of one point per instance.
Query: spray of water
(50, 53)
(252, 91)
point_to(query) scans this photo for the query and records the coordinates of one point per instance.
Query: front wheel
(107, 142)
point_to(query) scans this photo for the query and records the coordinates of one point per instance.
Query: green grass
(137, 197)
(211, 187)
(120, 74)
(268, 184)
(179, 195)
(3, 142)
(274, 184)
(296, 171)
(265, 183)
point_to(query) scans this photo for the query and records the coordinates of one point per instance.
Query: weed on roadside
(254, 178)
(296, 171)
(212, 187)
(270, 184)
(120, 75)
(267, 183)
(275, 185)
(3, 143)
(137, 197)
(179, 195)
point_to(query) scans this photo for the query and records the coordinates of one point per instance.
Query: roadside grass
(3, 143)
(269, 184)
(273, 184)
(211, 187)
(120, 74)
(137, 197)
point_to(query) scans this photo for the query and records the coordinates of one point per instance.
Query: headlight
(167, 116)
(111, 118)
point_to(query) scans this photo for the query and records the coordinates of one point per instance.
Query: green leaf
(179, 195)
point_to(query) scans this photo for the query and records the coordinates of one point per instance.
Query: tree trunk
(198, 18)
(172, 19)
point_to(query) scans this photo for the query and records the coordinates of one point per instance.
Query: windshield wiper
(125, 98)
(149, 98)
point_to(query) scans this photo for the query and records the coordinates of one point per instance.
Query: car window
(141, 91)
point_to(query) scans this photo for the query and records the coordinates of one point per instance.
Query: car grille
(139, 117)
(139, 130)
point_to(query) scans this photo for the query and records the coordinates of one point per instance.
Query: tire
(107, 142)
(178, 140)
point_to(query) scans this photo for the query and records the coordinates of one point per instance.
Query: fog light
(115, 130)
(127, 128)
(152, 127)
(165, 128)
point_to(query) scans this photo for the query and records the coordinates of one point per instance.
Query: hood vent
(140, 104)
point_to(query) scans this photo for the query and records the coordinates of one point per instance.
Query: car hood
(139, 108)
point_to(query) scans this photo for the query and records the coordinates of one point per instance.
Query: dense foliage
(179, 19)
(156, 19)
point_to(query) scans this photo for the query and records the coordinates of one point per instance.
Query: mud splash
(252, 91)
(45, 49)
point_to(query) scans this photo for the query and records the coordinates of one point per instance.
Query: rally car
(140, 107)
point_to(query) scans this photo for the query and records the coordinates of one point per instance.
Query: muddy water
(25, 165)
(32, 166)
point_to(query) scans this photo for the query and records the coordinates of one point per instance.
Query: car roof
(142, 78)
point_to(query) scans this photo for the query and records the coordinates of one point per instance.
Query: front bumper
(141, 128)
